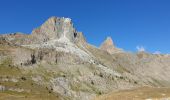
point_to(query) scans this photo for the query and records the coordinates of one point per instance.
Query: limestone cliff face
(108, 46)
(54, 28)
(57, 34)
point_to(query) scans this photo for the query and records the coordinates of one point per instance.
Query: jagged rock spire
(108, 42)
(109, 46)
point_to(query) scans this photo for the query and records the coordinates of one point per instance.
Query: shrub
(23, 78)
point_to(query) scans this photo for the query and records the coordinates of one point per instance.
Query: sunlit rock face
(54, 28)
(56, 33)
(109, 46)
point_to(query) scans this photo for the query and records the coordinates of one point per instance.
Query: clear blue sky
(130, 23)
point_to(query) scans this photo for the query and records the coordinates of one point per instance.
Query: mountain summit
(56, 28)
(109, 46)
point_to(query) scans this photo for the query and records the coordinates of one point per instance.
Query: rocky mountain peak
(109, 46)
(108, 42)
(55, 28)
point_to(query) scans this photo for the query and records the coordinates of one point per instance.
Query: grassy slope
(143, 93)
(36, 92)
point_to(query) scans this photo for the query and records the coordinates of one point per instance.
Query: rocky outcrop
(108, 46)
(57, 34)
(2, 88)
(54, 28)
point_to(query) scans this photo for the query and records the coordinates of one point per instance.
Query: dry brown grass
(32, 91)
(23, 96)
(144, 93)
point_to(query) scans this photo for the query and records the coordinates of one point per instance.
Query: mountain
(108, 46)
(55, 62)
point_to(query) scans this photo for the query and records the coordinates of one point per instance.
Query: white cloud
(140, 48)
(157, 52)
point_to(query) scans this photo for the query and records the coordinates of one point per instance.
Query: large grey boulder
(2, 88)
